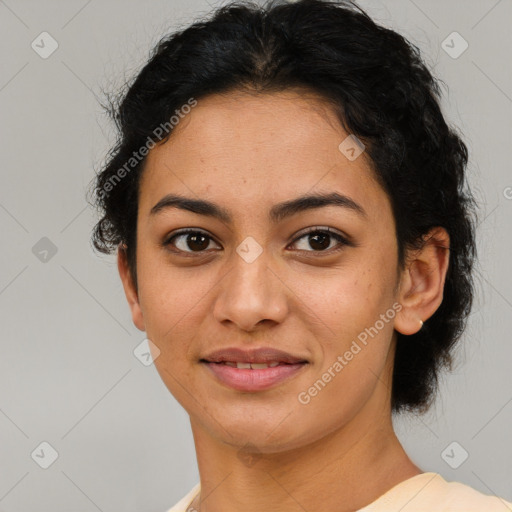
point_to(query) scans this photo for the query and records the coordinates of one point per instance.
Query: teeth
(259, 366)
(254, 366)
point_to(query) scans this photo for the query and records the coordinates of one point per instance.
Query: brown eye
(320, 240)
(189, 241)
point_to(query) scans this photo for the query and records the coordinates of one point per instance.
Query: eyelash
(341, 239)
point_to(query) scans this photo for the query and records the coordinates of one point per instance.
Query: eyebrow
(278, 212)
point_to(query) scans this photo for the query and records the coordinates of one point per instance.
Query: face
(311, 281)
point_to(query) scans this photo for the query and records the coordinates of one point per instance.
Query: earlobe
(422, 282)
(129, 288)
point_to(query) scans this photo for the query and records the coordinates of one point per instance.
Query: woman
(295, 237)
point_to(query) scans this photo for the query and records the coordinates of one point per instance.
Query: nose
(251, 294)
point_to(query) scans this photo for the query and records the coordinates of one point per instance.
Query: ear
(129, 288)
(422, 282)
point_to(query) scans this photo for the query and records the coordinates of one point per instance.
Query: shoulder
(183, 504)
(431, 492)
(458, 496)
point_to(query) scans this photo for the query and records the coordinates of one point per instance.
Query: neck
(347, 469)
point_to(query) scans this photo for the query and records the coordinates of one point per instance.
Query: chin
(270, 435)
(260, 444)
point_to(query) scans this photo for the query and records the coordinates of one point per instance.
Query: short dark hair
(382, 92)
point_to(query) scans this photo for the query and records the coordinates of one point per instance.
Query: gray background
(67, 368)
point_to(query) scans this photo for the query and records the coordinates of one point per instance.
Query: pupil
(194, 239)
(322, 236)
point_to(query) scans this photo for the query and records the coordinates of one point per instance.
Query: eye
(320, 240)
(189, 241)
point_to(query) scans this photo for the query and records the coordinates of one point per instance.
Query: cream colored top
(426, 492)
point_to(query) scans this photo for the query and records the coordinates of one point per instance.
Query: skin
(247, 153)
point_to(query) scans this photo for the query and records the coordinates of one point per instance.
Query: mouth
(250, 366)
(252, 371)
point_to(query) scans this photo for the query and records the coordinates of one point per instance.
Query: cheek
(173, 302)
(346, 299)
(358, 314)
(357, 330)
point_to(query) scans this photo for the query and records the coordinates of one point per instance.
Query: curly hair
(382, 92)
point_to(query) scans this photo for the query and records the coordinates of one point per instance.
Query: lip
(248, 380)
(253, 380)
(253, 355)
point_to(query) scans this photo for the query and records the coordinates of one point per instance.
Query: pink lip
(252, 355)
(246, 379)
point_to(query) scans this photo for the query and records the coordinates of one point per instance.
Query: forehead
(240, 149)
